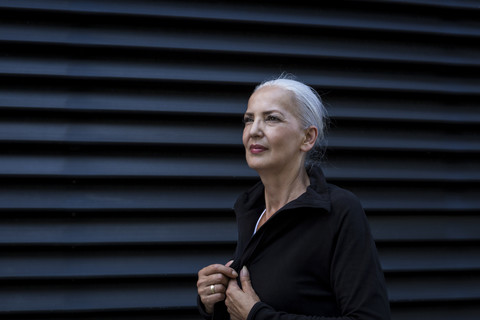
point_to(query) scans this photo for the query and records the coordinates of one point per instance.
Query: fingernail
(244, 271)
(234, 273)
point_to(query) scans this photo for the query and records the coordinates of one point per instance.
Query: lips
(257, 148)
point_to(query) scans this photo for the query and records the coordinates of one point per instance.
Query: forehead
(272, 97)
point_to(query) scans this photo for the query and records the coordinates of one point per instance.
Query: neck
(282, 188)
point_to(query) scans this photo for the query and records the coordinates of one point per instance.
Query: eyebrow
(265, 113)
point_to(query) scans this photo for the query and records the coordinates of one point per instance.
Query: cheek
(286, 140)
(279, 138)
(245, 137)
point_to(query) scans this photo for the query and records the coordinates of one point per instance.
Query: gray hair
(311, 112)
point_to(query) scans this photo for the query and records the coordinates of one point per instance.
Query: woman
(304, 247)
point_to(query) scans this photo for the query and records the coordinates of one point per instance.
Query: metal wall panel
(121, 155)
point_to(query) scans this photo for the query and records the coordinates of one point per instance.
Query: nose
(256, 129)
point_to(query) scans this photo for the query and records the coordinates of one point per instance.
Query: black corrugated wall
(121, 155)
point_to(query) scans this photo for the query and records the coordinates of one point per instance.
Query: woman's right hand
(212, 284)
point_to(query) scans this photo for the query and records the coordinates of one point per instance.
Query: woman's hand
(212, 284)
(240, 301)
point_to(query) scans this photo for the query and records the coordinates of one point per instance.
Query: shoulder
(349, 220)
(346, 208)
(343, 199)
(338, 199)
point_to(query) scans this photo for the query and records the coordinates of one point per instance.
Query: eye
(272, 118)
(247, 119)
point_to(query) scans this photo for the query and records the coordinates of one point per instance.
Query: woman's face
(273, 137)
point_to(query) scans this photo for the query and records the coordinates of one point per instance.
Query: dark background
(121, 155)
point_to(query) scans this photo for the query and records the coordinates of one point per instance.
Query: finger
(210, 300)
(212, 294)
(245, 276)
(233, 290)
(215, 274)
(245, 280)
(214, 289)
(218, 279)
(232, 285)
(220, 268)
(216, 268)
(234, 273)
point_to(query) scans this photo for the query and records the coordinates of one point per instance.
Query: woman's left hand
(240, 301)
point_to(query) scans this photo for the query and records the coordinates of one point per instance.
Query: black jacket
(313, 259)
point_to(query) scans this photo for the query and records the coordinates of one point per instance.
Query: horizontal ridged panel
(103, 263)
(148, 165)
(78, 195)
(257, 43)
(207, 101)
(444, 310)
(163, 228)
(170, 130)
(116, 259)
(98, 295)
(335, 75)
(346, 17)
(121, 159)
(161, 293)
(453, 286)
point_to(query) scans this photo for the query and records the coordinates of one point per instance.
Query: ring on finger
(212, 289)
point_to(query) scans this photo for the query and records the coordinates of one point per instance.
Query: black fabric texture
(315, 258)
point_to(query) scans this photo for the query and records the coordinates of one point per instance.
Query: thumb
(245, 279)
(234, 273)
(247, 284)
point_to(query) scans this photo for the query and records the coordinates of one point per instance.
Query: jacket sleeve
(201, 309)
(356, 276)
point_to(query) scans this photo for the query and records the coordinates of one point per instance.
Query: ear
(311, 135)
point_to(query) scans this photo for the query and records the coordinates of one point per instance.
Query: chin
(260, 162)
(258, 165)
(255, 165)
